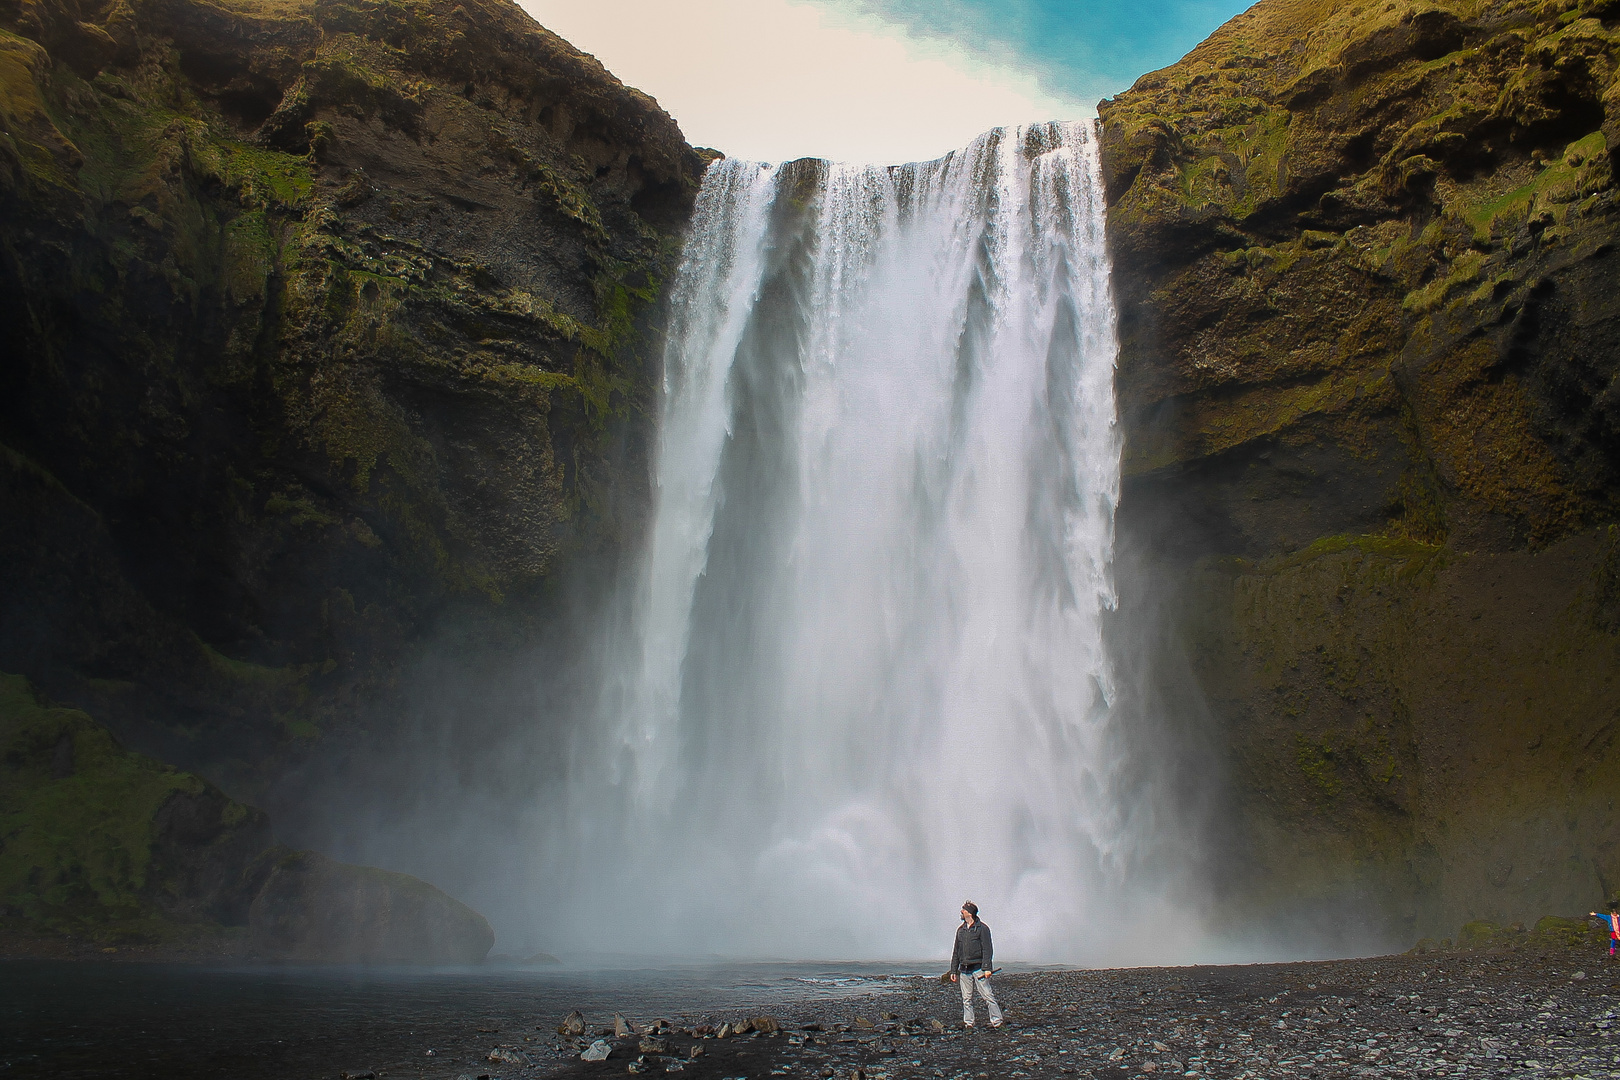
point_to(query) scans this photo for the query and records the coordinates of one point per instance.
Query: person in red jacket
(970, 965)
(1613, 919)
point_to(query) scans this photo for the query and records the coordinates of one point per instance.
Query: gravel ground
(1470, 1014)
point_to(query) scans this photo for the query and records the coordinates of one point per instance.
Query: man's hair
(1614, 905)
(973, 909)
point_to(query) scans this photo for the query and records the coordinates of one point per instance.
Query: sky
(876, 80)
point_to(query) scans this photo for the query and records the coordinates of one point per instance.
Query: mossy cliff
(322, 317)
(110, 851)
(1369, 291)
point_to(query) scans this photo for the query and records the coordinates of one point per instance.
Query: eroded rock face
(320, 317)
(1365, 276)
(108, 846)
(316, 909)
(104, 847)
(1370, 318)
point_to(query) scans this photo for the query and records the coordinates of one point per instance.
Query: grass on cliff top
(76, 821)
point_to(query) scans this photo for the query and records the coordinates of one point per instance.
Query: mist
(859, 668)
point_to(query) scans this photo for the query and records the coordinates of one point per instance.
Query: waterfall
(866, 678)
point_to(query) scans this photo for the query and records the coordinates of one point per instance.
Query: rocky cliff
(323, 318)
(102, 850)
(1366, 264)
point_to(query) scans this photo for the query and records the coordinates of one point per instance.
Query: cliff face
(102, 849)
(1370, 314)
(321, 318)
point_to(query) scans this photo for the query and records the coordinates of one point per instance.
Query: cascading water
(866, 679)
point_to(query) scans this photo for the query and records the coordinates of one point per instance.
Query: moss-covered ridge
(105, 849)
(100, 844)
(331, 314)
(1370, 330)
(1372, 240)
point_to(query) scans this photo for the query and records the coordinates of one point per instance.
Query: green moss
(1415, 555)
(1566, 931)
(75, 846)
(1315, 760)
(28, 134)
(299, 510)
(1461, 272)
(1560, 180)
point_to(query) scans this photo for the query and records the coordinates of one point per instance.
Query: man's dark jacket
(972, 951)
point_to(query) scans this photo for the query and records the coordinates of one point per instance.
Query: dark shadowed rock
(315, 908)
(321, 315)
(105, 845)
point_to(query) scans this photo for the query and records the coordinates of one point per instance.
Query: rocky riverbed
(1481, 1013)
(1473, 1014)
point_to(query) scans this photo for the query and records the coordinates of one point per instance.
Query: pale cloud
(772, 80)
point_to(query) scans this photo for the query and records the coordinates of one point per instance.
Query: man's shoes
(967, 1023)
(996, 1023)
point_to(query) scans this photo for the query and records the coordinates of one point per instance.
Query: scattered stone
(651, 1044)
(621, 1028)
(765, 1025)
(597, 1051)
(503, 1056)
(360, 1074)
(573, 1024)
(724, 1032)
(697, 1051)
(863, 1024)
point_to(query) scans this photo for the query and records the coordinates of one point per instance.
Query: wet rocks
(1450, 1015)
(572, 1024)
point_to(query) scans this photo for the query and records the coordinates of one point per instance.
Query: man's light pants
(967, 981)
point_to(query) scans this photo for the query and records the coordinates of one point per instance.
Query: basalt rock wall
(105, 851)
(325, 321)
(1369, 300)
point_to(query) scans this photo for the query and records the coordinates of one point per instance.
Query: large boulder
(314, 908)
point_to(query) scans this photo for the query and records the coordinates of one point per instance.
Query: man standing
(970, 965)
